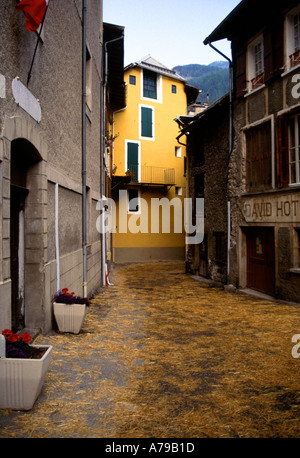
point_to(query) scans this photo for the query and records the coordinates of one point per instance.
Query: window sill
(253, 91)
(149, 99)
(295, 270)
(270, 191)
(292, 69)
(294, 185)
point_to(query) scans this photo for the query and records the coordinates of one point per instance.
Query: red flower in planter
(64, 297)
(17, 344)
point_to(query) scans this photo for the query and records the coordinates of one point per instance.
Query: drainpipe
(230, 151)
(103, 197)
(57, 240)
(84, 207)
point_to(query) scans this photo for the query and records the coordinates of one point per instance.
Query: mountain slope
(212, 79)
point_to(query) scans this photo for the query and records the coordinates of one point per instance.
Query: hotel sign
(272, 209)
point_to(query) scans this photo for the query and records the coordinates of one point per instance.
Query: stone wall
(208, 152)
(55, 88)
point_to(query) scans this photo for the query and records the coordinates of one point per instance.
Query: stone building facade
(42, 247)
(264, 169)
(207, 137)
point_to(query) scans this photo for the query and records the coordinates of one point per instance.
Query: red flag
(34, 12)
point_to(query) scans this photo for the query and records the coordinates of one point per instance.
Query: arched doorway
(24, 157)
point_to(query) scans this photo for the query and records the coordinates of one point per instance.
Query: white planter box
(21, 380)
(69, 317)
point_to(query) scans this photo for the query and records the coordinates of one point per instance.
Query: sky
(171, 31)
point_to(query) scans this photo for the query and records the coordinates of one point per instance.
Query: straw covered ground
(163, 355)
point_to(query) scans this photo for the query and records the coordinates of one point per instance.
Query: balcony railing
(257, 81)
(153, 175)
(295, 59)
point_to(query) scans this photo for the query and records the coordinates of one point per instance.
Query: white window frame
(151, 139)
(290, 38)
(159, 96)
(297, 151)
(251, 61)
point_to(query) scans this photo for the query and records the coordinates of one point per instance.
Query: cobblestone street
(163, 355)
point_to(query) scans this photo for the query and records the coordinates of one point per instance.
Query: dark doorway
(261, 259)
(17, 207)
(23, 156)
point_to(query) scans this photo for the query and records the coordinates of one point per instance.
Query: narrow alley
(162, 354)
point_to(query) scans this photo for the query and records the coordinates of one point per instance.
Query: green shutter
(147, 122)
(133, 159)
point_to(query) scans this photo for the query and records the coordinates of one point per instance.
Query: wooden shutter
(273, 51)
(240, 72)
(268, 56)
(282, 146)
(146, 122)
(133, 159)
(278, 40)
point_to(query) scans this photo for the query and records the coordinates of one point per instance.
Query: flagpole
(36, 46)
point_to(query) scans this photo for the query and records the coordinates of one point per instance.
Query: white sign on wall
(283, 209)
(26, 100)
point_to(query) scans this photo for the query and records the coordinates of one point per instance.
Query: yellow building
(149, 222)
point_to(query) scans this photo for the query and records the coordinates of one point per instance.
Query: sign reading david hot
(145, 221)
(284, 209)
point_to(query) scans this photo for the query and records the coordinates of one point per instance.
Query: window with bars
(259, 157)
